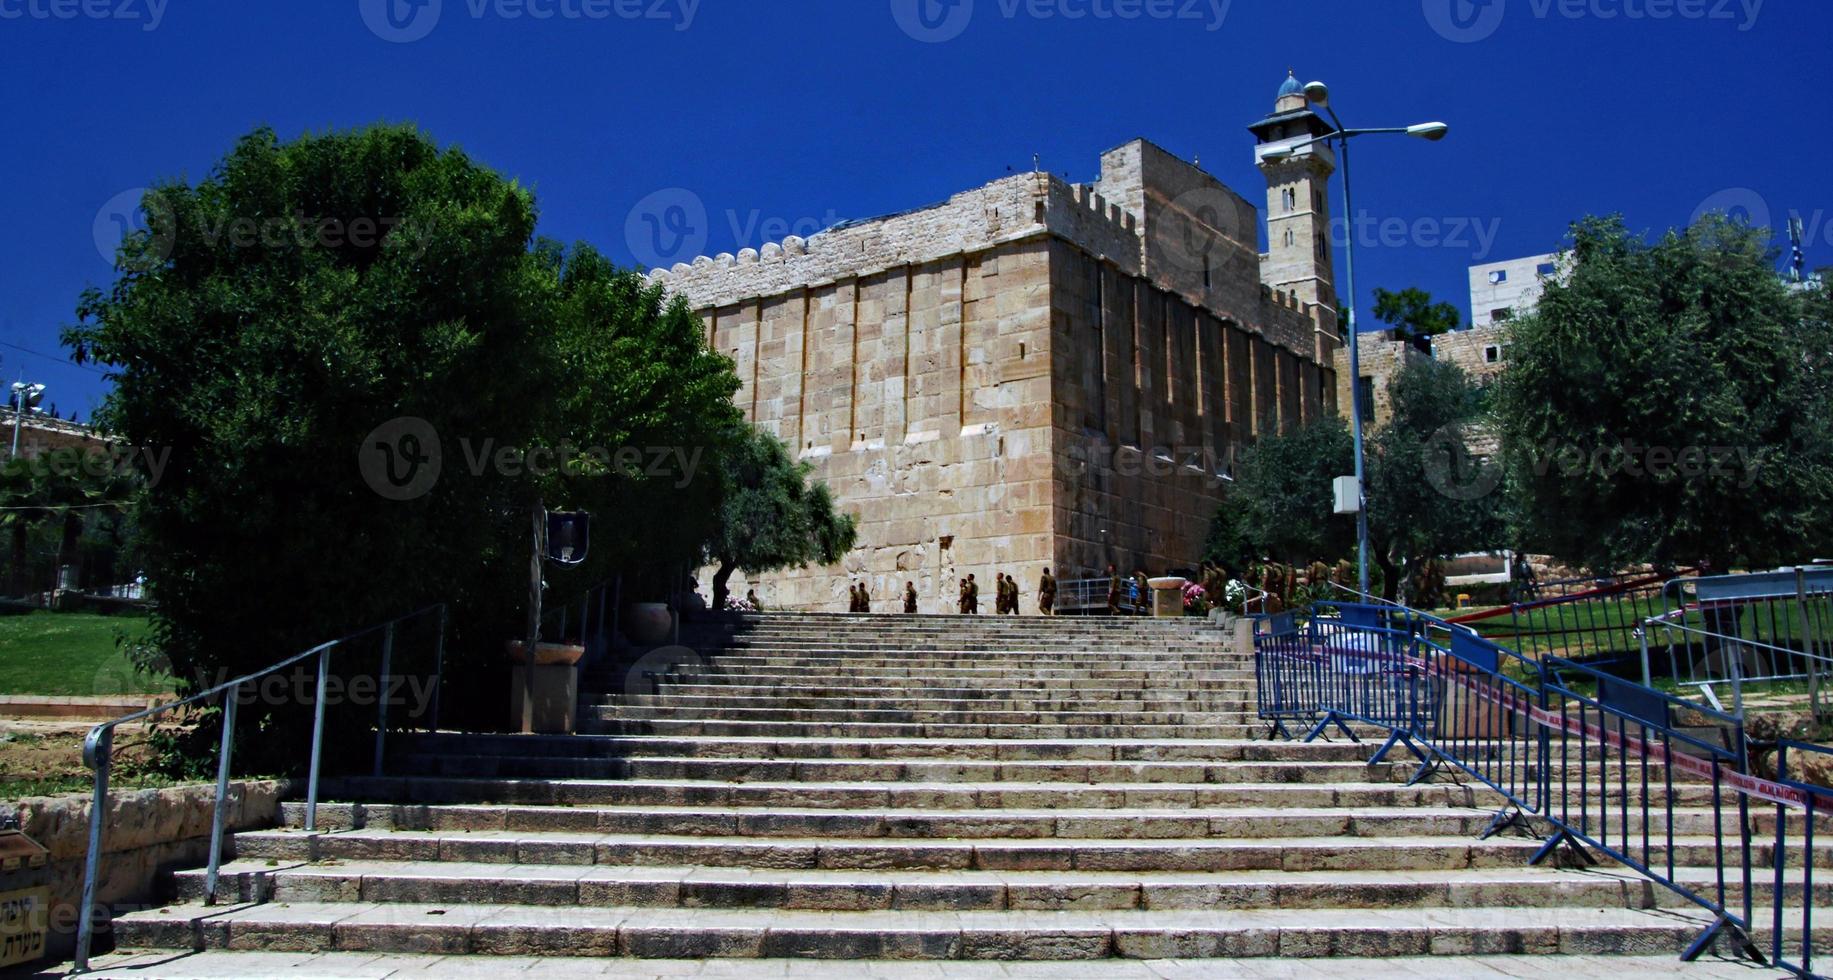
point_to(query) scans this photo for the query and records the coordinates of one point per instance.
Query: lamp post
(25, 398)
(1319, 95)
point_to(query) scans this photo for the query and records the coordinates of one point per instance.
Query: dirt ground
(39, 758)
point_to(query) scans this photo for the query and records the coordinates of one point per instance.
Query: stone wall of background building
(992, 383)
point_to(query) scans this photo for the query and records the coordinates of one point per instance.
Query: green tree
(772, 516)
(642, 411)
(1413, 314)
(262, 328)
(1669, 402)
(1281, 505)
(1429, 496)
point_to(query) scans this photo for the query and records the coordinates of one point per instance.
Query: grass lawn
(72, 654)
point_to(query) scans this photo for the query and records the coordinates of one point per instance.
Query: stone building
(1032, 373)
(40, 433)
(1481, 351)
(1510, 288)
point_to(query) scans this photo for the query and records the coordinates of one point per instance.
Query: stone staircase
(872, 788)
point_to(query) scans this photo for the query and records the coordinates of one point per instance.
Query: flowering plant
(1196, 600)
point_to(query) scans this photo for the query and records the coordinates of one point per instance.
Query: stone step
(662, 886)
(595, 724)
(1431, 853)
(162, 965)
(1161, 686)
(928, 820)
(490, 929)
(963, 750)
(669, 710)
(804, 772)
(715, 785)
(734, 687)
(764, 699)
(1022, 813)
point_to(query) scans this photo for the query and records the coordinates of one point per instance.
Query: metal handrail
(98, 749)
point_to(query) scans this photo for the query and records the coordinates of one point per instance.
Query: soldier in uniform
(1047, 593)
(1011, 595)
(865, 600)
(852, 598)
(910, 598)
(1113, 591)
(973, 595)
(1144, 602)
(961, 605)
(999, 593)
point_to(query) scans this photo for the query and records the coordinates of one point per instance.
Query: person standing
(1047, 594)
(1143, 586)
(1011, 595)
(961, 603)
(865, 599)
(973, 595)
(852, 598)
(1113, 590)
(910, 598)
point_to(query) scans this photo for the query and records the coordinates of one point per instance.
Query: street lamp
(25, 398)
(1319, 95)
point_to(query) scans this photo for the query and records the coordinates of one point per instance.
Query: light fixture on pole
(1318, 94)
(25, 398)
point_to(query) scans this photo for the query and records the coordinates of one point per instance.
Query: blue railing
(1599, 763)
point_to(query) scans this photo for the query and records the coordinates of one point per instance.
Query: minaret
(1300, 256)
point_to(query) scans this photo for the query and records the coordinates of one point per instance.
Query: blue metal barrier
(1606, 764)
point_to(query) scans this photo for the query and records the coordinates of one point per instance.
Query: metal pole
(230, 700)
(1642, 635)
(388, 656)
(1807, 646)
(1355, 371)
(318, 742)
(98, 752)
(439, 664)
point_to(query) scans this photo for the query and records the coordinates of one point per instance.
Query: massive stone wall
(1002, 381)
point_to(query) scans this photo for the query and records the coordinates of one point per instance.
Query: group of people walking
(1005, 596)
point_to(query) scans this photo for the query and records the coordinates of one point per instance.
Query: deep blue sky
(798, 112)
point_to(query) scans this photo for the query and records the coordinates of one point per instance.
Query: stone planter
(1167, 596)
(547, 654)
(648, 623)
(543, 696)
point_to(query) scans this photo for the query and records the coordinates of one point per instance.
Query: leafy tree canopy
(1429, 496)
(1413, 314)
(1669, 402)
(772, 516)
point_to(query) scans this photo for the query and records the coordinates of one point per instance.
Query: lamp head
(1317, 93)
(1277, 153)
(1433, 131)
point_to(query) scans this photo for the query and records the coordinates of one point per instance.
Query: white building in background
(1500, 291)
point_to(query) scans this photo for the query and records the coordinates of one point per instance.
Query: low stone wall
(148, 833)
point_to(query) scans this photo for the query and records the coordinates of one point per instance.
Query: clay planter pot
(547, 654)
(648, 623)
